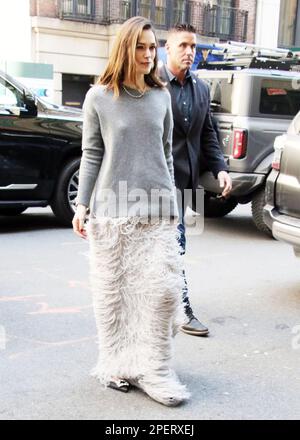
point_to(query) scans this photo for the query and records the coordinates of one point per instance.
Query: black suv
(40, 150)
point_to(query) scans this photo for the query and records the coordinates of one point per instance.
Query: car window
(278, 97)
(220, 94)
(9, 96)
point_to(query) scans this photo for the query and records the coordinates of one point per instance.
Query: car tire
(257, 206)
(63, 202)
(12, 211)
(215, 207)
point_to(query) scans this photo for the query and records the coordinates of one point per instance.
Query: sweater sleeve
(92, 150)
(167, 138)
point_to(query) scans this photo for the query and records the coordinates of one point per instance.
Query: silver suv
(250, 108)
(282, 211)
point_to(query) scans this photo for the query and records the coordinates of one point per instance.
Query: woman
(134, 258)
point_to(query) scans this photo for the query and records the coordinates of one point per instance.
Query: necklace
(133, 96)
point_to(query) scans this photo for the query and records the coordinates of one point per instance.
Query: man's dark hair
(183, 27)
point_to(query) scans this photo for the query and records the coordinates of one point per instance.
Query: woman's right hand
(78, 221)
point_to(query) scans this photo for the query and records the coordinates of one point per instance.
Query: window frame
(288, 27)
(258, 83)
(18, 95)
(74, 11)
(154, 8)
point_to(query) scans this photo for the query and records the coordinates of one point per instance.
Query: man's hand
(78, 221)
(225, 183)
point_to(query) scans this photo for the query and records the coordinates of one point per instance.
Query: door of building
(74, 89)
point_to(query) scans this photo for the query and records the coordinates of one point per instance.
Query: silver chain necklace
(133, 96)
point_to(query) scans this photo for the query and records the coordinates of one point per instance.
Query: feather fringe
(136, 279)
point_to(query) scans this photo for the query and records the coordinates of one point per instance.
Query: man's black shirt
(183, 95)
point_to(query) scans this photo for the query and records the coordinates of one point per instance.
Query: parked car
(282, 210)
(250, 108)
(40, 150)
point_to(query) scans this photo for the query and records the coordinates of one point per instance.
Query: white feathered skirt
(136, 280)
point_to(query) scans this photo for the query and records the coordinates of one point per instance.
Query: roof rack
(237, 56)
(245, 48)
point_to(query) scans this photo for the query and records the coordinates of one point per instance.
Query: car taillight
(239, 143)
(277, 159)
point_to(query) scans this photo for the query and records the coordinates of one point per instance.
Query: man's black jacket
(198, 141)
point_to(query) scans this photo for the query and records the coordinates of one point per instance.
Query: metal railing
(163, 13)
(225, 23)
(84, 10)
(212, 21)
(219, 22)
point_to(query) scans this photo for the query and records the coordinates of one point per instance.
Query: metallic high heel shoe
(119, 385)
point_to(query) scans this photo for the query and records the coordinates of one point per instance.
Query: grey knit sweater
(127, 162)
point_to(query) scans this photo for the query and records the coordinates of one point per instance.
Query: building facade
(278, 23)
(289, 24)
(267, 23)
(76, 35)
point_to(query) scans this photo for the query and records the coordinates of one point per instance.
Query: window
(287, 25)
(126, 9)
(278, 97)
(225, 17)
(78, 7)
(9, 97)
(145, 8)
(84, 7)
(163, 13)
(179, 11)
(220, 94)
(157, 11)
(225, 3)
(68, 6)
(160, 12)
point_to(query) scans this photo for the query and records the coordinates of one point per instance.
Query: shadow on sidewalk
(30, 221)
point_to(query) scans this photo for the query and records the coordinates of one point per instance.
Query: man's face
(181, 50)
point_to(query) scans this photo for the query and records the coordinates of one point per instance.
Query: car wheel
(217, 207)
(12, 211)
(257, 207)
(63, 202)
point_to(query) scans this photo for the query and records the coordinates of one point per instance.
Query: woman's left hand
(78, 221)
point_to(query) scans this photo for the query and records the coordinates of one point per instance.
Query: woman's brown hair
(122, 57)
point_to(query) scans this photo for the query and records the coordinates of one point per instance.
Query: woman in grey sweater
(126, 178)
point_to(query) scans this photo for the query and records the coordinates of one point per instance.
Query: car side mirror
(30, 107)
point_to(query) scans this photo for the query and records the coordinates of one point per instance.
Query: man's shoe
(194, 327)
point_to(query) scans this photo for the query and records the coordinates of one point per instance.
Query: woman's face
(145, 52)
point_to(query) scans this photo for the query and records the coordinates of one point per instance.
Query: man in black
(193, 135)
